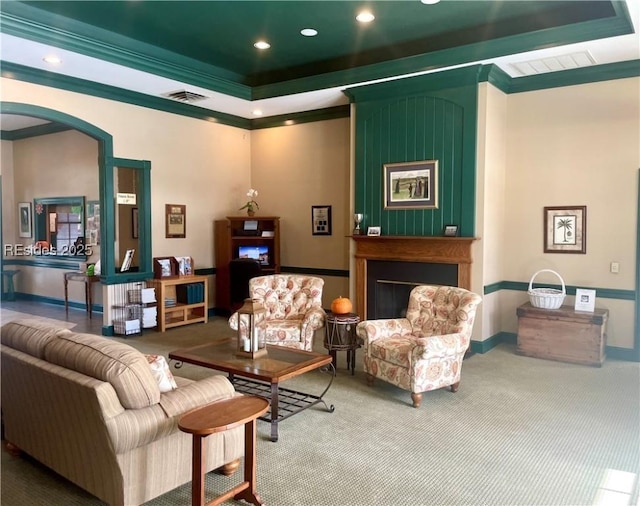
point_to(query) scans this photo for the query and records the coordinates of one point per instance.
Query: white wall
(492, 167)
(576, 145)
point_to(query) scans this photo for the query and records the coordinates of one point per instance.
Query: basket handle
(564, 291)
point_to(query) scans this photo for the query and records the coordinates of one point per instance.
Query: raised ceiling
(206, 47)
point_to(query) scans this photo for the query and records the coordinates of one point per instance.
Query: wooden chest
(562, 334)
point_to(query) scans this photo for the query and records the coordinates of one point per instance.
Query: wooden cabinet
(175, 305)
(237, 236)
(563, 334)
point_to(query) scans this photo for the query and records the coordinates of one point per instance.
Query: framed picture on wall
(176, 221)
(25, 219)
(412, 185)
(321, 220)
(565, 229)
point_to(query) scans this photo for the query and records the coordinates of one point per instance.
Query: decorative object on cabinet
(563, 334)
(547, 298)
(585, 300)
(412, 185)
(128, 257)
(165, 267)
(176, 220)
(181, 300)
(231, 241)
(185, 266)
(565, 229)
(251, 204)
(357, 220)
(25, 219)
(321, 220)
(374, 231)
(450, 230)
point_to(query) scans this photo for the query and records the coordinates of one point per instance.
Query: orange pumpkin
(341, 305)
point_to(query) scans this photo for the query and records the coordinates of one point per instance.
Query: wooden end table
(88, 293)
(218, 417)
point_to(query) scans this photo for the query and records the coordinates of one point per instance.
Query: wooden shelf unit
(180, 314)
(229, 236)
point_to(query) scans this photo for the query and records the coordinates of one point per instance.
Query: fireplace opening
(390, 282)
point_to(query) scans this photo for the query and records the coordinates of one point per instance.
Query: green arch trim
(105, 152)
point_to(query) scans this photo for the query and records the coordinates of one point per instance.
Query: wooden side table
(88, 292)
(340, 334)
(218, 417)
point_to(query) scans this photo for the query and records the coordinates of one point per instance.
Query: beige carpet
(6, 315)
(520, 431)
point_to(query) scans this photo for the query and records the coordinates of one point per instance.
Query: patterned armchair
(423, 351)
(293, 309)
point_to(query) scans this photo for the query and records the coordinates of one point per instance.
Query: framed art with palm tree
(565, 229)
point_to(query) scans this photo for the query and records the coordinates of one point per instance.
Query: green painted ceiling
(220, 34)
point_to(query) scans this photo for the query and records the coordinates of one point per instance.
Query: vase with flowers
(251, 205)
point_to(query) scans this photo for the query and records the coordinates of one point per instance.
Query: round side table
(340, 334)
(218, 417)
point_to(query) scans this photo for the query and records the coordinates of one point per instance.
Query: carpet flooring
(520, 431)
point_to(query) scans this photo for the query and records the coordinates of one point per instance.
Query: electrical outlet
(615, 267)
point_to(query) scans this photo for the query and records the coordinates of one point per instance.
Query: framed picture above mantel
(411, 185)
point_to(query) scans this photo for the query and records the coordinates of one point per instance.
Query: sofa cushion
(29, 335)
(119, 364)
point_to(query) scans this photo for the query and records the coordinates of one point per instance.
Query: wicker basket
(546, 298)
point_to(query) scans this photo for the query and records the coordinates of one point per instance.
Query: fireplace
(387, 268)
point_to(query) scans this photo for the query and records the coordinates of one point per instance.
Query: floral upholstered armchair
(293, 307)
(423, 351)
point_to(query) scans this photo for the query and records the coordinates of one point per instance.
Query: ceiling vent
(554, 63)
(184, 96)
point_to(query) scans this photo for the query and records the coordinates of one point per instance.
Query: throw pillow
(161, 373)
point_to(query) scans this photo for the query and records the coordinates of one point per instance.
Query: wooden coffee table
(262, 376)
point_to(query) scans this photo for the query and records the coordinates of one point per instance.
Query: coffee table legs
(274, 412)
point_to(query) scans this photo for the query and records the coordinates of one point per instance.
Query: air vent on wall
(554, 63)
(184, 96)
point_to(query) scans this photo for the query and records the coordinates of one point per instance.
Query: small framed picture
(24, 214)
(585, 300)
(373, 231)
(450, 230)
(321, 220)
(175, 220)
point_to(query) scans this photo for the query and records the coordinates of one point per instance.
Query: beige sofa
(90, 409)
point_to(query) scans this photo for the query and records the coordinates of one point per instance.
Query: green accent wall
(430, 117)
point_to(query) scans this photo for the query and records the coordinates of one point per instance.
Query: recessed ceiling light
(261, 44)
(309, 32)
(53, 60)
(289, 122)
(257, 112)
(365, 17)
(430, 2)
